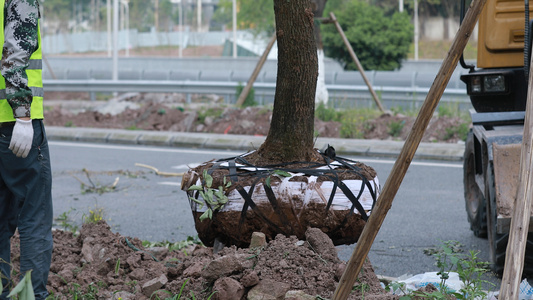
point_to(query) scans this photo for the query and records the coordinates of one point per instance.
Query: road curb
(356, 147)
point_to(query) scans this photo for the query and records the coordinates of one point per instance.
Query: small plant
(75, 291)
(354, 122)
(161, 111)
(91, 187)
(250, 98)
(178, 296)
(214, 199)
(396, 127)
(460, 131)
(177, 246)
(448, 110)
(210, 112)
(95, 215)
(117, 267)
(326, 114)
(69, 124)
(449, 258)
(23, 290)
(66, 222)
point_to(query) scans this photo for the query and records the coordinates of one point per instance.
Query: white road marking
(173, 183)
(143, 148)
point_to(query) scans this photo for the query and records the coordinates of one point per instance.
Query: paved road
(428, 209)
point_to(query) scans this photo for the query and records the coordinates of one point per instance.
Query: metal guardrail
(339, 95)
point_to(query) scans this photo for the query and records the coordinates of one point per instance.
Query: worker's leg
(30, 179)
(8, 214)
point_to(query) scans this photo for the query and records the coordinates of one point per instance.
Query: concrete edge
(376, 148)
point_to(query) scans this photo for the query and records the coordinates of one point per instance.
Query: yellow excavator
(497, 87)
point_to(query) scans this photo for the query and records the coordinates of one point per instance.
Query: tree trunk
(290, 137)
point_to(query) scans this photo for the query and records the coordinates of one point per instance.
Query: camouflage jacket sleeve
(20, 41)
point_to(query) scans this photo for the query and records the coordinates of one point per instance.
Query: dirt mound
(169, 112)
(99, 264)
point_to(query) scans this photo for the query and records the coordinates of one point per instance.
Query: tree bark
(290, 137)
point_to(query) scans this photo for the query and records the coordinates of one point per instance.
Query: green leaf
(24, 288)
(267, 181)
(209, 196)
(197, 201)
(281, 173)
(205, 215)
(208, 179)
(195, 188)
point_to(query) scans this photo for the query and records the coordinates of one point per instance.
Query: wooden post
(356, 60)
(516, 246)
(255, 73)
(408, 151)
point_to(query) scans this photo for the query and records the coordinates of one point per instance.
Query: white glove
(22, 138)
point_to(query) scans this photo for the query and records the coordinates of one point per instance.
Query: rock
(340, 271)
(249, 279)
(258, 240)
(194, 270)
(245, 124)
(298, 295)
(209, 120)
(220, 267)
(268, 289)
(92, 253)
(228, 289)
(116, 106)
(138, 274)
(321, 244)
(153, 285)
(67, 273)
(245, 260)
(133, 260)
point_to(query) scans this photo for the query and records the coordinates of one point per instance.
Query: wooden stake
(516, 246)
(408, 151)
(356, 60)
(255, 73)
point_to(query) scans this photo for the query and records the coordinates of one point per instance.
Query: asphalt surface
(347, 147)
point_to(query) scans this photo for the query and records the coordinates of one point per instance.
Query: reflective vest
(35, 79)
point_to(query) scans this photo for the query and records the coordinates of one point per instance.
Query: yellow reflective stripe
(6, 113)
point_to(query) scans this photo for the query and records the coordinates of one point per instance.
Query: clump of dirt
(106, 265)
(170, 112)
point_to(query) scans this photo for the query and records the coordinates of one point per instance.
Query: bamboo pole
(408, 151)
(356, 60)
(516, 246)
(255, 73)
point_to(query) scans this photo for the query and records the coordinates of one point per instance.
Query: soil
(170, 112)
(100, 264)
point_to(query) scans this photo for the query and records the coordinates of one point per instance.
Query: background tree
(381, 42)
(257, 15)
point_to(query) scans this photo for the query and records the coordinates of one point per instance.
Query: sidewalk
(434, 151)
